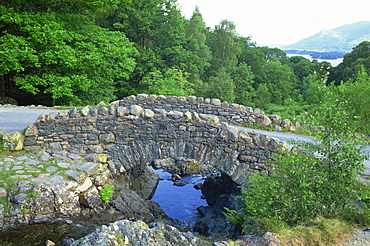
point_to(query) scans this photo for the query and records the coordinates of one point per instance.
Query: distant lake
(333, 62)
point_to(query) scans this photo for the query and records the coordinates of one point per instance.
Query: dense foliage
(82, 52)
(303, 186)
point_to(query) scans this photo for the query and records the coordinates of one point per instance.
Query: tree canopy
(82, 52)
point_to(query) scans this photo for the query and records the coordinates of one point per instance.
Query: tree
(164, 39)
(314, 89)
(172, 83)
(242, 76)
(197, 32)
(303, 186)
(262, 97)
(224, 46)
(63, 55)
(356, 92)
(278, 80)
(254, 57)
(352, 63)
(274, 52)
(220, 86)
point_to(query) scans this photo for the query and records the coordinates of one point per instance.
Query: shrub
(303, 186)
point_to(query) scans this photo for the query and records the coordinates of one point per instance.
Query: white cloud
(280, 21)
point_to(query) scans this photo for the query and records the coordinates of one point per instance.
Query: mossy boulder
(13, 141)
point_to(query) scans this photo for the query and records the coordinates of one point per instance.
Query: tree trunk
(2, 86)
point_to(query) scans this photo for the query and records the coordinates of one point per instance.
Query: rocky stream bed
(48, 203)
(53, 197)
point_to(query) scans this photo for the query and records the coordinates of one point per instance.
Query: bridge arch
(126, 137)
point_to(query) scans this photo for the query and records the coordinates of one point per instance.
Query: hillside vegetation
(82, 52)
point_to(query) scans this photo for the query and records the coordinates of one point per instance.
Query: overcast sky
(279, 21)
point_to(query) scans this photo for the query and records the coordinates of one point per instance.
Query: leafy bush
(303, 186)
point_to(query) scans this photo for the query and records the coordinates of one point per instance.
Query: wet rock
(131, 206)
(220, 192)
(90, 198)
(179, 183)
(216, 185)
(214, 223)
(198, 186)
(176, 177)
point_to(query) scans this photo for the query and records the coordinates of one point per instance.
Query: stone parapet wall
(233, 113)
(126, 137)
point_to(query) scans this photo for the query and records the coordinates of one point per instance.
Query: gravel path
(16, 119)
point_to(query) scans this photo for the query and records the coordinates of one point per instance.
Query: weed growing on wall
(107, 193)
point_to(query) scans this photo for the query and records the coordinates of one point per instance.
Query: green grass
(294, 112)
(320, 231)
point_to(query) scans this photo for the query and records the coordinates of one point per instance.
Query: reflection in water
(179, 202)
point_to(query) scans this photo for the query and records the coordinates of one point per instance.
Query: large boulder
(132, 206)
(13, 141)
(220, 192)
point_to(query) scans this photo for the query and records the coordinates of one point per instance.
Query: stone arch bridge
(125, 137)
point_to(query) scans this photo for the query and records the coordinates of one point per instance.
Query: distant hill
(340, 39)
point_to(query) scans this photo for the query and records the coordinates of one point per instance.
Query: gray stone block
(74, 175)
(90, 168)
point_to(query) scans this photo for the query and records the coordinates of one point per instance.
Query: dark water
(179, 202)
(37, 234)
